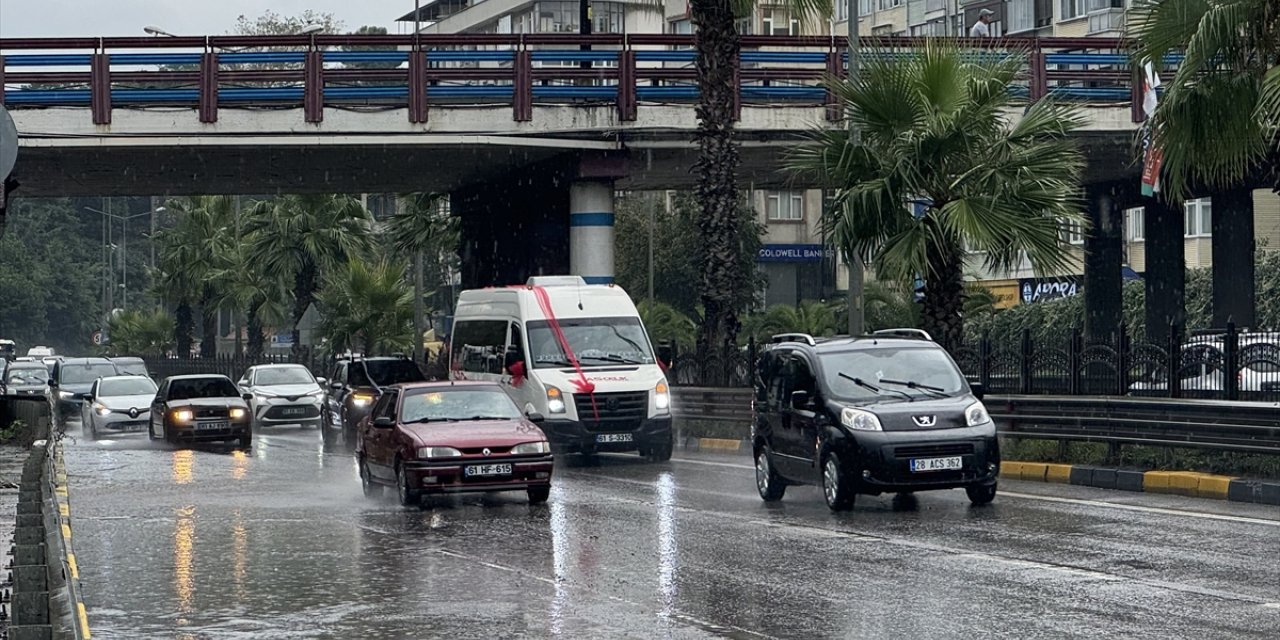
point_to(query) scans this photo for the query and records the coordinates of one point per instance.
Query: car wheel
(981, 493)
(539, 495)
(836, 485)
(659, 452)
(770, 485)
(246, 441)
(371, 490)
(408, 497)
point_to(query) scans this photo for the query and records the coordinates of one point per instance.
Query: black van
(885, 413)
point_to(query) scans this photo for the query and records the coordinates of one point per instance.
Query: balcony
(1106, 20)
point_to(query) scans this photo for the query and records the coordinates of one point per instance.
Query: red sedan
(452, 437)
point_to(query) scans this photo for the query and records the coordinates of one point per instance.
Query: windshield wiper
(912, 384)
(478, 418)
(871, 387)
(421, 420)
(554, 363)
(618, 359)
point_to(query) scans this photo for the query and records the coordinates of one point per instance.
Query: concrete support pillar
(1165, 278)
(1233, 247)
(1103, 255)
(591, 230)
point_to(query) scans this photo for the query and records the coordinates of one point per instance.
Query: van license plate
(606, 438)
(936, 464)
(488, 470)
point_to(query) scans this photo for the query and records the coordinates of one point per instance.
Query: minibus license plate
(606, 438)
(936, 464)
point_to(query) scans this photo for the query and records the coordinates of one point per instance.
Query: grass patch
(1253, 465)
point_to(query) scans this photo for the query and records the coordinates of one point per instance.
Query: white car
(283, 394)
(120, 404)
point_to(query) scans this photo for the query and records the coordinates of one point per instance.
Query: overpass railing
(430, 71)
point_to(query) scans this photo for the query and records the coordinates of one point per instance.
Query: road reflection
(184, 462)
(560, 553)
(668, 554)
(239, 464)
(184, 535)
(239, 554)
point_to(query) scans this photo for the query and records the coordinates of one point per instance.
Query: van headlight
(531, 448)
(860, 420)
(428, 453)
(555, 400)
(976, 415)
(661, 396)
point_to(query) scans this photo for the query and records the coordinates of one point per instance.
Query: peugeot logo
(133, 412)
(486, 451)
(925, 421)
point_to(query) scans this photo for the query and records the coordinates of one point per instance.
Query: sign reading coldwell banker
(1042, 290)
(791, 253)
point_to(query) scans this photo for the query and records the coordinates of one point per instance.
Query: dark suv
(886, 413)
(354, 385)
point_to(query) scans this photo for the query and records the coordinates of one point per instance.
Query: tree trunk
(208, 325)
(419, 313)
(304, 293)
(183, 328)
(942, 309)
(717, 190)
(254, 326)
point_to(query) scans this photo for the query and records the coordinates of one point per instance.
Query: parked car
(25, 379)
(443, 437)
(355, 384)
(118, 403)
(878, 414)
(72, 378)
(131, 366)
(200, 408)
(281, 394)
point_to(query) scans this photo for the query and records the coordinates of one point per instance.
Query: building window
(1073, 232)
(1198, 218)
(747, 27)
(681, 27)
(558, 16)
(784, 206)
(864, 8)
(882, 30)
(608, 17)
(1134, 231)
(779, 22)
(1021, 15)
(1073, 8)
(886, 5)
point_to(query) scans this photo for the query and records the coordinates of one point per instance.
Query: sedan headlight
(438, 452)
(555, 400)
(661, 396)
(183, 415)
(101, 409)
(976, 415)
(361, 399)
(317, 393)
(65, 394)
(860, 420)
(236, 414)
(531, 448)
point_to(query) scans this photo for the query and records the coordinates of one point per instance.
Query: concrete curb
(1183, 483)
(61, 492)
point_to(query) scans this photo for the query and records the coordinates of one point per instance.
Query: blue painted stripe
(598, 279)
(590, 219)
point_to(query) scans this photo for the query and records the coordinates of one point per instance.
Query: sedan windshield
(594, 341)
(202, 388)
(458, 404)
(85, 373)
(127, 387)
(890, 371)
(28, 375)
(282, 375)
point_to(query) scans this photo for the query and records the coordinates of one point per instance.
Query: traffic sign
(99, 338)
(8, 143)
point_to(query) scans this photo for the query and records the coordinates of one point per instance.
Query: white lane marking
(1076, 501)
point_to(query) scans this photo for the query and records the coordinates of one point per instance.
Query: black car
(354, 385)
(72, 378)
(886, 413)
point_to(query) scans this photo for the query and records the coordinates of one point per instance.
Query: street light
(157, 31)
(124, 246)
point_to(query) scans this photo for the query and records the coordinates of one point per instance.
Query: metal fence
(231, 366)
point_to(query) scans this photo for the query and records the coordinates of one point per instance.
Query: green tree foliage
(137, 332)
(374, 31)
(939, 169)
(423, 224)
(811, 317)
(367, 307)
(192, 253)
(271, 23)
(243, 286)
(666, 324)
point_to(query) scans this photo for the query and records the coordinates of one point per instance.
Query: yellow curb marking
(75, 568)
(719, 443)
(84, 621)
(1060, 473)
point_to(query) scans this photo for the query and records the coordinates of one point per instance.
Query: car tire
(408, 497)
(539, 495)
(151, 432)
(660, 452)
(246, 441)
(980, 494)
(837, 486)
(770, 485)
(367, 485)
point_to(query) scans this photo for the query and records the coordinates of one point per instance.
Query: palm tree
(299, 237)
(142, 333)
(423, 230)
(244, 286)
(811, 316)
(366, 307)
(1219, 117)
(665, 323)
(941, 167)
(191, 253)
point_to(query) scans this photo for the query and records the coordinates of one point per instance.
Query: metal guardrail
(434, 70)
(1249, 427)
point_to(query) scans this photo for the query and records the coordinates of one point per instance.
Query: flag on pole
(1153, 157)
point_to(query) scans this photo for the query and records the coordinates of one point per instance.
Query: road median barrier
(1184, 483)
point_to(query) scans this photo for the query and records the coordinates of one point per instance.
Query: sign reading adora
(1045, 289)
(791, 253)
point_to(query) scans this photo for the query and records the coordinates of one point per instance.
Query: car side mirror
(799, 399)
(88, 398)
(978, 390)
(383, 422)
(53, 383)
(536, 418)
(321, 381)
(247, 396)
(335, 385)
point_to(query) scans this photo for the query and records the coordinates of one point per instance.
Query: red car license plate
(488, 470)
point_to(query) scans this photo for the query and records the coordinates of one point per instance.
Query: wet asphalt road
(280, 543)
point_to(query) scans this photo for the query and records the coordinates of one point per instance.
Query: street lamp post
(855, 262)
(109, 283)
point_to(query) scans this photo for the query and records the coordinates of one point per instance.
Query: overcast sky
(31, 18)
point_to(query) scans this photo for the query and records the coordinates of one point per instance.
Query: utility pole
(855, 262)
(651, 230)
(419, 312)
(124, 258)
(235, 310)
